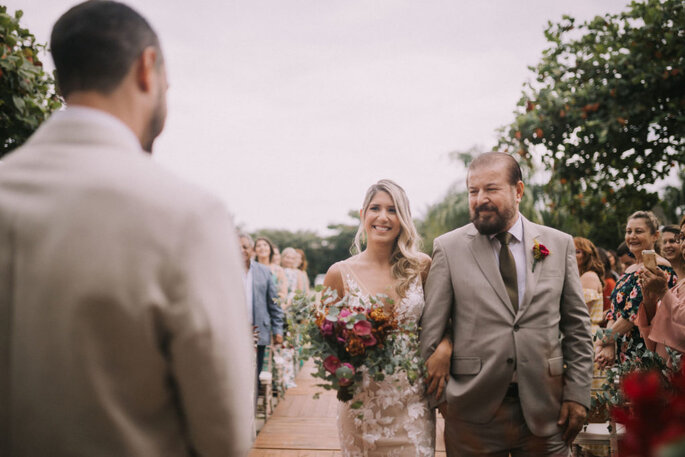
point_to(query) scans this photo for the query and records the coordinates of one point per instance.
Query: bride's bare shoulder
(334, 278)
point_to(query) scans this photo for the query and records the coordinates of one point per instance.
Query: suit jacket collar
(481, 248)
(85, 126)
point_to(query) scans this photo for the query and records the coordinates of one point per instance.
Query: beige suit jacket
(548, 340)
(123, 328)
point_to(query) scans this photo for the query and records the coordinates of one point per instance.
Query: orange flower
(355, 346)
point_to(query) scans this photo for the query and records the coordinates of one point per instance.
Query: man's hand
(255, 335)
(571, 417)
(278, 339)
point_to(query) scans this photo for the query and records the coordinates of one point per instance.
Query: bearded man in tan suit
(123, 328)
(521, 367)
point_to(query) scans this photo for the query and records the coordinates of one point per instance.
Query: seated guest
(616, 270)
(263, 309)
(290, 259)
(265, 253)
(276, 258)
(670, 248)
(302, 266)
(591, 273)
(661, 317)
(609, 279)
(642, 233)
(625, 257)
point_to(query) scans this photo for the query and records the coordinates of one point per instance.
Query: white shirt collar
(516, 230)
(101, 118)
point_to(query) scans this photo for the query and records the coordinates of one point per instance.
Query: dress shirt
(518, 251)
(247, 282)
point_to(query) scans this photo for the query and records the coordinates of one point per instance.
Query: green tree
(606, 114)
(27, 92)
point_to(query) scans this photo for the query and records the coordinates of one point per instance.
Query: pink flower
(327, 328)
(344, 313)
(370, 341)
(362, 328)
(331, 364)
(619, 297)
(633, 294)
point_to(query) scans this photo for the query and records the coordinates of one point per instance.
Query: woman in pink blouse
(661, 316)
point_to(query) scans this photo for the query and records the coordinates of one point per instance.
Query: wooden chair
(599, 438)
(265, 397)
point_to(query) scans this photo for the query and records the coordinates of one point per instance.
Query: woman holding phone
(642, 233)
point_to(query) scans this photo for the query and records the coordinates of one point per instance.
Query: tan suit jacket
(123, 328)
(548, 340)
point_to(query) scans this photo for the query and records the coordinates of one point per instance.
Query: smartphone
(649, 259)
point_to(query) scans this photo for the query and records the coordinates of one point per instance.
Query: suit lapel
(481, 248)
(255, 290)
(530, 234)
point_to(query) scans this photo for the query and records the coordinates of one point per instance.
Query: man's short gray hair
(242, 235)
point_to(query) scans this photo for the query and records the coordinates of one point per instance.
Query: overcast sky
(289, 109)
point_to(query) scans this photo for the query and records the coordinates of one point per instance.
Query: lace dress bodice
(394, 419)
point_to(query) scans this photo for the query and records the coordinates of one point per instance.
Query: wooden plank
(302, 426)
(299, 433)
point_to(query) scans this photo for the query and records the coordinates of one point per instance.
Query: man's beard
(496, 223)
(156, 123)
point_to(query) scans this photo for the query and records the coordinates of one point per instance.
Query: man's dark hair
(95, 43)
(489, 158)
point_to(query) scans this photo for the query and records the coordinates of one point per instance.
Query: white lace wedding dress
(394, 420)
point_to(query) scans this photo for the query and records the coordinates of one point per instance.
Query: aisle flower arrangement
(347, 339)
(646, 394)
(653, 414)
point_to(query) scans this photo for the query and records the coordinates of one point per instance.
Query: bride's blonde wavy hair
(405, 260)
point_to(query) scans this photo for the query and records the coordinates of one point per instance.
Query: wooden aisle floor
(304, 427)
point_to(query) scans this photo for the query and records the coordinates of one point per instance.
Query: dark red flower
(544, 252)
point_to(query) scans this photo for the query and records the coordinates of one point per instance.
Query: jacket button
(516, 327)
(510, 360)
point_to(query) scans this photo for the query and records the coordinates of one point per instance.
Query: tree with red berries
(606, 114)
(27, 92)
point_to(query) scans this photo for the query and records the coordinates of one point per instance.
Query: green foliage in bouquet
(348, 339)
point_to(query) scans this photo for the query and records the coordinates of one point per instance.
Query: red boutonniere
(540, 251)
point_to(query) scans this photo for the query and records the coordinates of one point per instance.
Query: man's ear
(146, 67)
(519, 190)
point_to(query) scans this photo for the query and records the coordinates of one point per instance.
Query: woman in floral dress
(642, 232)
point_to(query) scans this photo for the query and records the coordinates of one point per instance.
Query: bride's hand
(438, 368)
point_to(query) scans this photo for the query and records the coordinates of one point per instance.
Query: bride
(395, 419)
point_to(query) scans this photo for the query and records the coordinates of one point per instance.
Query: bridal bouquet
(347, 338)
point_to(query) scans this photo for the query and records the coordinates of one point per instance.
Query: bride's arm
(438, 367)
(334, 280)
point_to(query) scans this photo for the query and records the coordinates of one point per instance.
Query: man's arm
(276, 315)
(438, 309)
(577, 348)
(210, 350)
